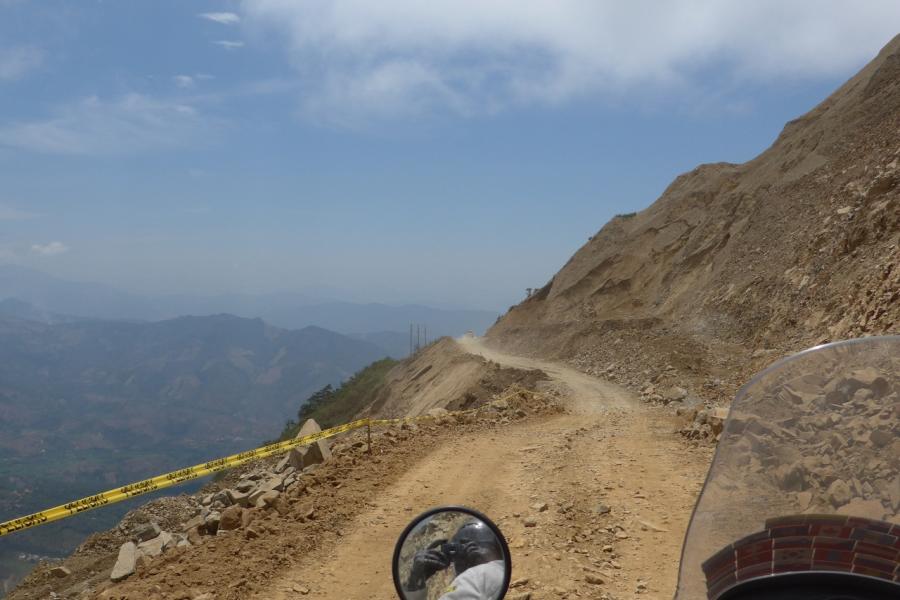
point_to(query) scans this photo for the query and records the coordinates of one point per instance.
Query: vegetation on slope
(332, 406)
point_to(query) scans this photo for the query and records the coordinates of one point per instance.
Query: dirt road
(617, 484)
(585, 394)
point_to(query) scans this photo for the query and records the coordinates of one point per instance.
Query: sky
(450, 153)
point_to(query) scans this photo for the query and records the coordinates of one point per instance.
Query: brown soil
(443, 375)
(606, 450)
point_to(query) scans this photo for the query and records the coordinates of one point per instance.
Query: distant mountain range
(99, 387)
(92, 404)
(289, 310)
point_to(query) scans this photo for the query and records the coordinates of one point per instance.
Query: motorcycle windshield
(815, 433)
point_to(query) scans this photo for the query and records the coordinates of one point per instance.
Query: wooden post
(369, 436)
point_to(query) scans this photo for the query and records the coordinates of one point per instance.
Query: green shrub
(332, 406)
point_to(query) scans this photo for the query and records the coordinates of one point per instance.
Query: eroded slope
(736, 263)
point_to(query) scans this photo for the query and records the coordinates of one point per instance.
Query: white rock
(124, 567)
(157, 545)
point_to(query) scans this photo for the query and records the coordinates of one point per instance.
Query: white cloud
(94, 126)
(229, 44)
(190, 81)
(17, 61)
(470, 56)
(51, 249)
(10, 213)
(225, 18)
(183, 81)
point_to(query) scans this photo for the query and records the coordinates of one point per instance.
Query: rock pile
(237, 506)
(244, 508)
(227, 509)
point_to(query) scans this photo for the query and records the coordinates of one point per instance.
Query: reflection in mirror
(452, 554)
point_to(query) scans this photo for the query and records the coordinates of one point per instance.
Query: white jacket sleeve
(415, 594)
(482, 582)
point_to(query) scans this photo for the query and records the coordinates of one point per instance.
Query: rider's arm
(478, 583)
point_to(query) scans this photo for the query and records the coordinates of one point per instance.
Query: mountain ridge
(284, 309)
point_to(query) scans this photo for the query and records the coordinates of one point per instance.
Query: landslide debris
(230, 538)
(737, 265)
(444, 375)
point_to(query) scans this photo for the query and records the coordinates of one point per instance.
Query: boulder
(792, 478)
(295, 458)
(244, 486)
(125, 563)
(194, 537)
(239, 498)
(196, 521)
(500, 405)
(232, 518)
(157, 545)
(716, 419)
(316, 453)
(211, 522)
(267, 499)
(674, 394)
(222, 497)
(838, 493)
(60, 572)
(283, 464)
(146, 531)
(870, 378)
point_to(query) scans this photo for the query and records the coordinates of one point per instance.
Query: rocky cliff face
(735, 264)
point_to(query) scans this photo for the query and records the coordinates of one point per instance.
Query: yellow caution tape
(182, 475)
(167, 480)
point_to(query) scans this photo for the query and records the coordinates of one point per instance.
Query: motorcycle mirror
(451, 549)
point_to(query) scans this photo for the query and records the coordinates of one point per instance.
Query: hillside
(93, 404)
(735, 264)
(443, 375)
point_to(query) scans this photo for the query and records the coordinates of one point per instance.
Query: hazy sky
(445, 152)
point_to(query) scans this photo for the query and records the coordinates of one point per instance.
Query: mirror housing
(451, 549)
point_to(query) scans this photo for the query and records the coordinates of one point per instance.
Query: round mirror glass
(452, 553)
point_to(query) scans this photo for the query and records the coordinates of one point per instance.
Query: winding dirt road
(618, 487)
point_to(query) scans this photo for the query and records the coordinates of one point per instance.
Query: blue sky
(450, 153)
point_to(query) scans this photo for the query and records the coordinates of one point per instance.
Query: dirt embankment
(443, 375)
(735, 265)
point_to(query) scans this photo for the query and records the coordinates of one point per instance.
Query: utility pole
(410, 340)
(418, 338)
(426, 334)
